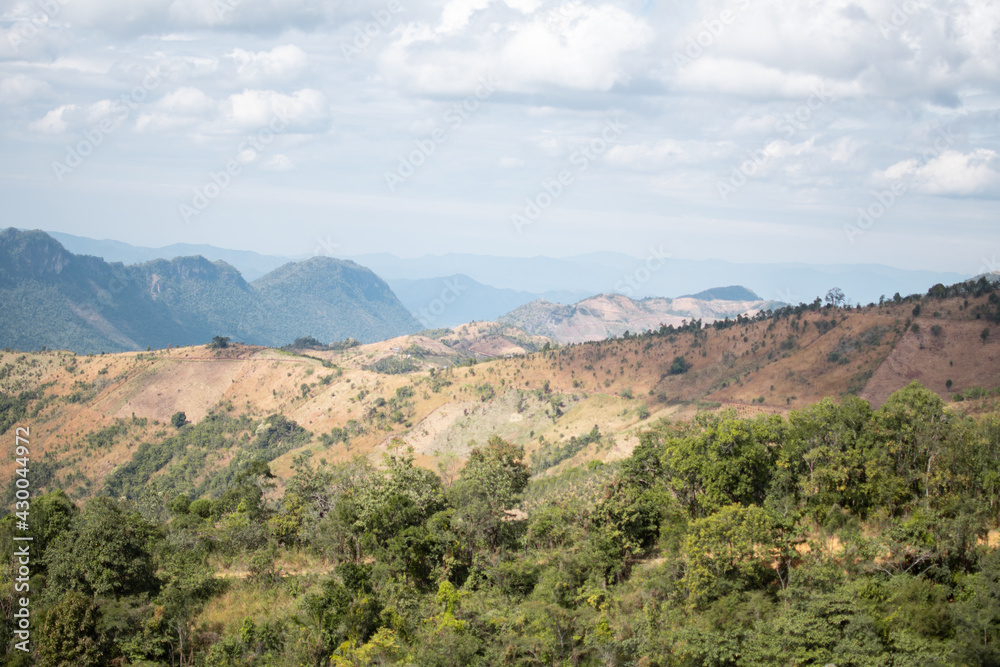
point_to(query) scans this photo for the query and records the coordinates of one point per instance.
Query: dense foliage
(839, 535)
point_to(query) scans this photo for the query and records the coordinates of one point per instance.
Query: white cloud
(585, 50)
(53, 122)
(128, 18)
(186, 101)
(719, 75)
(304, 111)
(181, 109)
(456, 14)
(75, 117)
(950, 173)
(524, 6)
(20, 88)
(668, 153)
(281, 62)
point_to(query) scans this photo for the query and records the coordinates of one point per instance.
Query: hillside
(422, 389)
(59, 300)
(269, 502)
(609, 315)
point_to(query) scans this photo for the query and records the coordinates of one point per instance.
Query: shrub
(679, 365)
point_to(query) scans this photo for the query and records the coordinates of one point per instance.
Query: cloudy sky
(826, 132)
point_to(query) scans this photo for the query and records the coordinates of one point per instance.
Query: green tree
(977, 613)
(489, 485)
(218, 342)
(105, 552)
(730, 461)
(824, 458)
(679, 365)
(727, 552)
(71, 636)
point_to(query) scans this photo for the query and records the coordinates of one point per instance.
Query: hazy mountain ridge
(610, 315)
(457, 299)
(251, 264)
(57, 299)
(606, 272)
(579, 275)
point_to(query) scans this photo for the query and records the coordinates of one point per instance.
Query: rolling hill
(92, 412)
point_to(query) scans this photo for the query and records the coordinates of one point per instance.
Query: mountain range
(607, 272)
(568, 279)
(52, 297)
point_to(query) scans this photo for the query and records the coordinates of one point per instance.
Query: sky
(822, 132)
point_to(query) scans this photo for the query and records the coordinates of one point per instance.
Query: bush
(218, 343)
(394, 366)
(202, 507)
(679, 365)
(178, 419)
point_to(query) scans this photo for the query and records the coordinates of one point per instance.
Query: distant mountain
(572, 278)
(52, 297)
(251, 265)
(607, 315)
(457, 299)
(55, 298)
(329, 299)
(611, 272)
(731, 293)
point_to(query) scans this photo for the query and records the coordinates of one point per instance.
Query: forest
(837, 535)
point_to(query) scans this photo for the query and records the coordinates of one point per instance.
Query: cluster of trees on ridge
(840, 534)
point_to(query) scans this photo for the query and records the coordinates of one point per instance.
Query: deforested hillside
(439, 390)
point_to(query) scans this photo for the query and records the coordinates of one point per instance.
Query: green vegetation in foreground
(840, 535)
